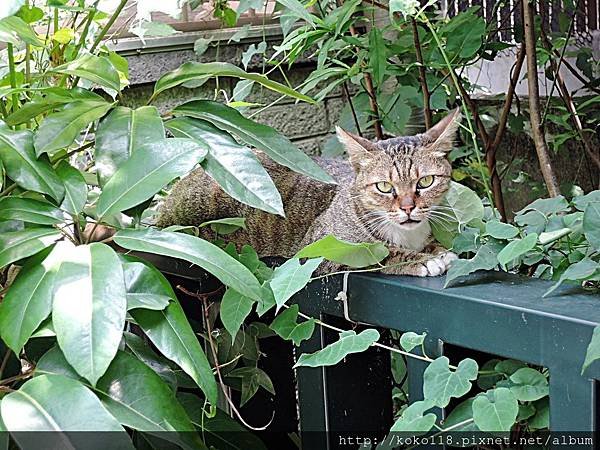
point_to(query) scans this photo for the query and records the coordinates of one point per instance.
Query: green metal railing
(495, 313)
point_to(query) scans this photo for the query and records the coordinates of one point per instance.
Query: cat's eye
(425, 182)
(384, 187)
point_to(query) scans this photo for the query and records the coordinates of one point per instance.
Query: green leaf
(123, 132)
(440, 383)
(75, 188)
(226, 225)
(29, 210)
(486, 258)
(461, 413)
(496, 410)
(171, 333)
(465, 41)
(28, 302)
(10, 7)
(579, 271)
(60, 129)
(252, 379)
(147, 171)
(547, 206)
(235, 307)
(97, 69)
(89, 308)
(145, 287)
(582, 202)
(16, 245)
(349, 342)
(57, 403)
(194, 70)
(18, 156)
(377, 56)
(465, 203)
(593, 350)
(405, 7)
(591, 224)
(298, 10)
(517, 248)
(410, 340)
(541, 420)
(414, 421)
(234, 167)
(291, 277)
(275, 145)
(286, 325)
(158, 363)
(528, 384)
(194, 250)
(499, 230)
(13, 29)
(347, 253)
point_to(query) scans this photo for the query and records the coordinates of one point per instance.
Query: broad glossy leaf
(29, 210)
(10, 7)
(171, 333)
(517, 248)
(60, 129)
(89, 308)
(146, 287)
(235, 307)
(496, 410)
(591, 224)
(275, 145)
(123, 132)
(234, 167)
(291, 277)
(194, 250)
(346, 253)
(75, 188)
(224, 226)
(16, 245)
(414, 420)
(193, 70)
(528, 384)
(286, 325)
(349, 342)
(440, 383)
(13, 29)
(144, 353)
(22, 166)
(97, 69)
(147, 171)
(57, 403)
(28, 302)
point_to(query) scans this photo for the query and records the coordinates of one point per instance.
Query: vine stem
(422, 76)
(12, 75)
(108, 25)
(423, 17)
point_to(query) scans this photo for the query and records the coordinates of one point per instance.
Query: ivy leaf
(496, 410)
(591, 224)
(528, 384)
(440, 384)
(290, 277)
(461, 413)
(579, 271)
(286, 326)
(541, 419)
(235, 307)
(349, 342)
(414, 421)
(593, 350)
(410, 340)
(346, 253)
(500, 230)
(252, 378)
(252, 50)
(517, 248)
(486, 258)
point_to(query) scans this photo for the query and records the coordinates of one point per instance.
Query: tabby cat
(387, 191)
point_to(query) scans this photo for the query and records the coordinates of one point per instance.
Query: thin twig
(351, 104)
(422, 76)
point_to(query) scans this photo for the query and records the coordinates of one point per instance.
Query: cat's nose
(408, 208)
(407, 204)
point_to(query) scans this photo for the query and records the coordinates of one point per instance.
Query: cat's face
(401, 181)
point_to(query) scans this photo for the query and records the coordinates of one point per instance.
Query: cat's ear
(359, 149)
(441, 136)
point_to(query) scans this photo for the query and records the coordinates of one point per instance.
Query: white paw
(437, 265)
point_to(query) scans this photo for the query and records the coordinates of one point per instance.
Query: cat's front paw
(437, 265)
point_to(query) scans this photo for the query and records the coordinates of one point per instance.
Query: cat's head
(402, 180)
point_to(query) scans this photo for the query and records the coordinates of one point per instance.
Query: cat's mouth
(409, 223)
